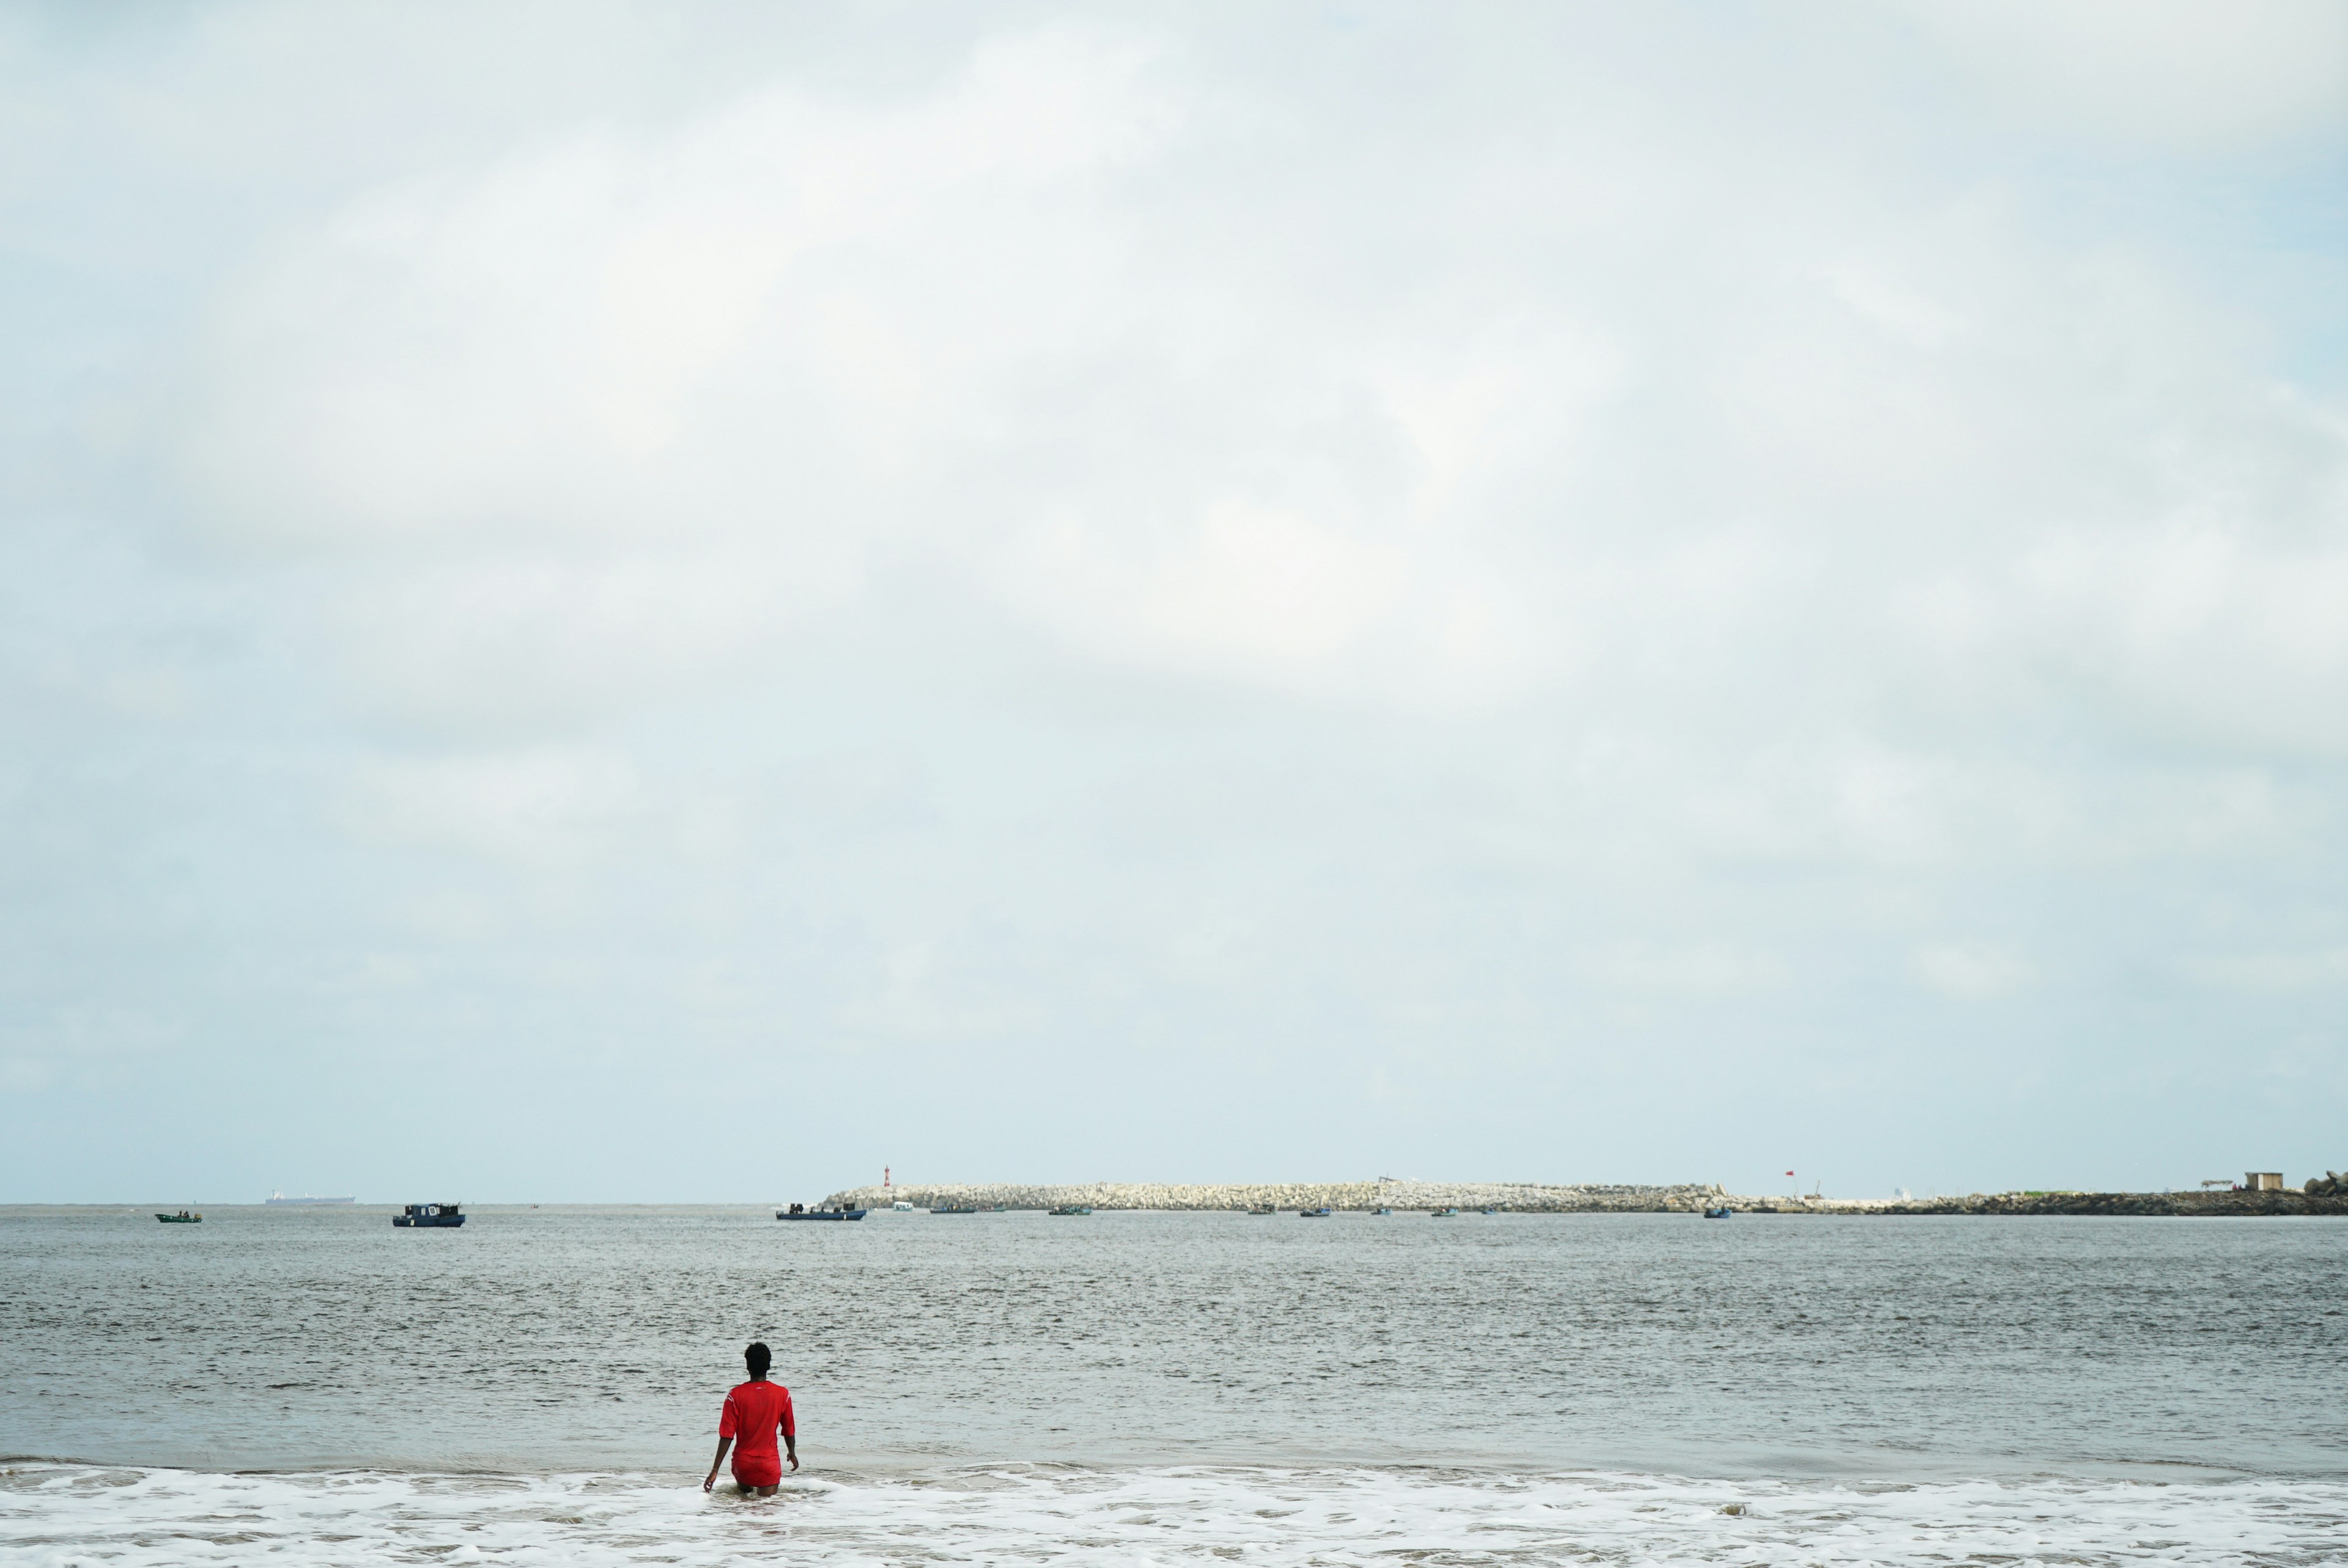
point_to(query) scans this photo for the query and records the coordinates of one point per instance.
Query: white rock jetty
(1519, 1197)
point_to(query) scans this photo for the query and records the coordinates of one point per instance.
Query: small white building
(2262, 1181)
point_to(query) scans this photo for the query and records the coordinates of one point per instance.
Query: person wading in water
(753, 1412)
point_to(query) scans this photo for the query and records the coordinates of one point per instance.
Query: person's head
(757, 1358)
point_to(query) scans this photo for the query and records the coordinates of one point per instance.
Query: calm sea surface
(1143, 1387)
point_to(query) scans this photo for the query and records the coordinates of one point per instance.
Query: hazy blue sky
(679, 602)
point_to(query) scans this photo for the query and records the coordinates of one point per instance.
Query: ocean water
(313, 1386)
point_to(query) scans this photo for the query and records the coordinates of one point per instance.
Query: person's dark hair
(757, 1358)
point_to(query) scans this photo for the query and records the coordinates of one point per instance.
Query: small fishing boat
(182, 1218)
(1443, 1214)
(955, 1209)
(430, 1217)
(1072, 1209)
(1381, 1209)
(1264, 1209)
(801, 1212)
(902, 1206)
(1319, 1214)
(1718, 1214)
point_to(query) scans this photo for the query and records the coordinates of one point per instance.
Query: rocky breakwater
(2316, 1198)
(1513, 1197)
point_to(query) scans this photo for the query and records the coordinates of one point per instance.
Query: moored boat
(1718, 1214)
(1381, 1209)
(430, 1217)
(1264, 1209)
(1319, 1214)
(1443, 1214)
(801, 1212)
(955, 1209)
(1072, 1209)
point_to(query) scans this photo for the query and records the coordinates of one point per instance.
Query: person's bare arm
(722, 1444)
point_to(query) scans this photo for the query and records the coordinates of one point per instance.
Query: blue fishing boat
(430, 1217)
(801, 1212)
(1718, 1214)
(1443, 1214)
(1381, 1209)
(1320, 1214)
(1072, 1209)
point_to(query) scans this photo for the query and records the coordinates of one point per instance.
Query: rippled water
(1171, 1387)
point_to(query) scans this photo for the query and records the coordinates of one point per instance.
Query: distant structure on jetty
(2324, 1195)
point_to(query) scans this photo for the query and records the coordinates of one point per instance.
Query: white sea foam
(62, 1514)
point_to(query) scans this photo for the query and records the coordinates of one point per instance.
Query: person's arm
(725, 1441)
(790, 1431)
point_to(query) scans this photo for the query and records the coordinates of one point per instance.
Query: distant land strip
(1527, 1197)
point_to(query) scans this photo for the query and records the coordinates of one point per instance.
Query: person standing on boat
(754, 1411)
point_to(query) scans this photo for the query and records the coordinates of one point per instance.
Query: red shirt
(753, 1412)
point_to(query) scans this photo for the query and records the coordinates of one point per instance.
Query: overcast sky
(681, 602)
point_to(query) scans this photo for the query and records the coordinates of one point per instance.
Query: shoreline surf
(1202, 1514)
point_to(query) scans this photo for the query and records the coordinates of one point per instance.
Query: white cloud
(1971, 971)
(540, 809)
(94, 1044)
(606, 416)
(1711, 968)
(508, 642)
(2274, 972)
(2160, 72)
(916, 1003)
(2202, 630)
(613, 333)
(1253, 591)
